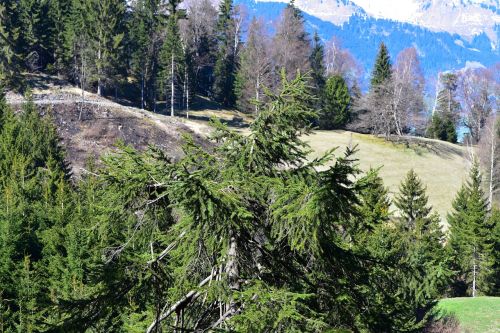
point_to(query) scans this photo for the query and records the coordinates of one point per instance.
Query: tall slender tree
(103, 24)
(144, 32)
(9, 62)
(382, 70)
(335, 104)
(317, 60)
(254, 72)
(291, 43)
(172, 58)
(228, 38)
(470, 240)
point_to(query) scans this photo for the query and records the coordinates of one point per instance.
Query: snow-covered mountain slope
(362, 24)
(466, 18)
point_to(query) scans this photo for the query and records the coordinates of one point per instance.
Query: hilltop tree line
(246, 236)
(162, 54)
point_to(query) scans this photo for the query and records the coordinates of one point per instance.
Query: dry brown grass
(442, 169)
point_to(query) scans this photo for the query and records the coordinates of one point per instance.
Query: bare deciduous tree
(475, 88)
(489, 154)
(198, 34)
(339, 61)
(395, 102)
(291, 44)
(255, 67)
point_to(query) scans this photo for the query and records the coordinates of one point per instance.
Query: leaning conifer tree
(245, 236)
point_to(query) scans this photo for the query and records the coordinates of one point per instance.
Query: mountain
(448, 34)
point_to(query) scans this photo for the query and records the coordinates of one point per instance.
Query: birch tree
(489, 155)
(475, 88)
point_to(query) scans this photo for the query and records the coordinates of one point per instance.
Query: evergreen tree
(375, 202)
(172, 59)
(9, 63)
(446, 111)
(471, 241)
(29, 42)
(442, 127)
(382, 70)
(58, 17)
(32, 173)
(412, 200)
(336, 102)
(316, 59)
(418, 245)
(103, 23)
(227, 55)
(143, 29)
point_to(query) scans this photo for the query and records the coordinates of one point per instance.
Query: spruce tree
(316, 59)
(143, 27)
(33, 174)
(172, 59)
(9, 62)
(103, 24)
(418, 246)
(29, 43)
(470, 240)
(227, 55)
(412, 200)
(335, 104)
(446, 111)
(382, 70)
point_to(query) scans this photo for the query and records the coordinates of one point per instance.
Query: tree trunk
(232, 270)
(99, 72)
(172, 87)
(474, 274)
(492, 168)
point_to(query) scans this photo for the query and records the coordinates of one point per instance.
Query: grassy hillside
(476, 315)
(441, 165)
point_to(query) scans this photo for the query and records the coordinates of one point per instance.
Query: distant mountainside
(448, 34)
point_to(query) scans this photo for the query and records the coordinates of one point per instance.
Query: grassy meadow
(476, 315)
(442, 166)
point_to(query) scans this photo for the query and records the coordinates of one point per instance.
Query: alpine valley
(448, 34)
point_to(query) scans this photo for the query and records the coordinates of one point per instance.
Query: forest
(246, 234)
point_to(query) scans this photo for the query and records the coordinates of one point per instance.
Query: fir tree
(442, 127)
(143, 28)
(382, 70)
(412, 200)
(9, 62)
(470, 240)
(316, 59)
(227, 52)
(172, 59)
(103, 24)
(336, 102)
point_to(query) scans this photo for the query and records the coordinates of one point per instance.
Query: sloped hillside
(441, 165)
(92, 125)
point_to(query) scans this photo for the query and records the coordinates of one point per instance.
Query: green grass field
(442, 169)
(476, 315)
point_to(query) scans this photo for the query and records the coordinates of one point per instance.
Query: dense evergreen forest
(248, 235)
